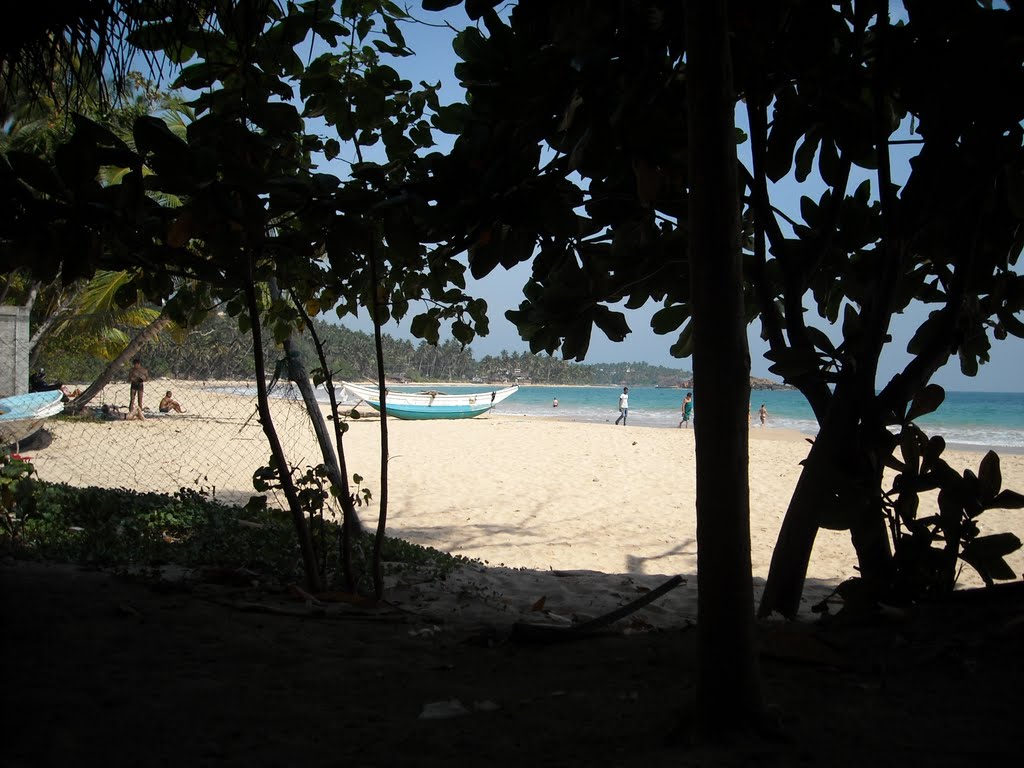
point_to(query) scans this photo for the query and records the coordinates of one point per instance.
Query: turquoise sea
(976, 420)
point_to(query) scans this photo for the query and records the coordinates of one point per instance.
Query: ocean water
(977, 420)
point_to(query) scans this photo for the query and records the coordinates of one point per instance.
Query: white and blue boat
(429, 404)
(21, 416)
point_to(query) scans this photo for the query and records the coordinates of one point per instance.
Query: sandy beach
(546, 505)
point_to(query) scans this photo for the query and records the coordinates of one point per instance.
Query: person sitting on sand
(37, 383)
(168, 404)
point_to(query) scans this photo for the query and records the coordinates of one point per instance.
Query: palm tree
(87, 310)
(77, 55)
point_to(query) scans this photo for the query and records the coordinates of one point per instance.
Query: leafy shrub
(121, 527)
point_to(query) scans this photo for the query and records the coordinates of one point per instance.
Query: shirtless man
(168, 404)
(137, 377)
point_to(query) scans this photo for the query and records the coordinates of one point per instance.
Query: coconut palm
(87, 311)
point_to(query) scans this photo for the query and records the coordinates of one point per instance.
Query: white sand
(552, 497)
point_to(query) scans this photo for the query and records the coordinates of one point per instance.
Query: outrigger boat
(21, 416)
(430, 404)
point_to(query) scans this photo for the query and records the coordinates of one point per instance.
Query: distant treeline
(218, 350)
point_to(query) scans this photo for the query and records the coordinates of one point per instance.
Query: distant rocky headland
(755, 384)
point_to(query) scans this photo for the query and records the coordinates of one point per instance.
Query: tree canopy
(588, 176)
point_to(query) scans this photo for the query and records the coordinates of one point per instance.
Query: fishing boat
(21, 416)
(430, 404)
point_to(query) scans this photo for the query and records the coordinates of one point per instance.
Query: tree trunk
(382, 519)
(302, 532)
(45, 329)
(728, 682)
(143, 338)
(839, 488)
(351, 525)
(298, 374)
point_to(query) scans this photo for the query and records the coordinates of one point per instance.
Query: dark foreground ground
(102, 670)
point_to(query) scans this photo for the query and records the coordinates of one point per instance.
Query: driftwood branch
(547, 633)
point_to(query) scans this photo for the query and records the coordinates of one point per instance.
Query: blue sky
(503, 290)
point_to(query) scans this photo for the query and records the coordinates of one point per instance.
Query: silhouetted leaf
(613, 324)
(35, 172)
(1006, 500)
(785, 132)
(790, 363)
(989, 477)
(426, 326)
(818, 338)
(683, 346)
(926, 401)
(668, 319)
(805, 154)
(439, 5)
(985, 555)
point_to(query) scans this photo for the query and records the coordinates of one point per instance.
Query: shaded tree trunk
(382, 519)
(728, 681)
(839, 488)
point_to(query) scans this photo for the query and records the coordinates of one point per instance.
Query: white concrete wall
(14, 349)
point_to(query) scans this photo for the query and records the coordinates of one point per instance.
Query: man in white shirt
(623, 406)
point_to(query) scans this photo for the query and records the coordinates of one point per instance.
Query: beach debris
(637, 624)
(539, 605)
(129, 610)
(228, 577)
(430, 631)
(306, 597)
(443, 710)
(352, 598)
(527, 632)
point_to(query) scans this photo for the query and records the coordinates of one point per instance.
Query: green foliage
(17, 496)
(920, 154)
(120, 527)
(930, 549)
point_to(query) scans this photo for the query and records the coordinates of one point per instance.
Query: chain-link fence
(214, 444)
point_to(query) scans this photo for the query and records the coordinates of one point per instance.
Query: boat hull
(21, 416)
(431, 405)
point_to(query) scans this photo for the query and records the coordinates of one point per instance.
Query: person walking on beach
(623, 406)
(687, 410)
(137, 377)
(762, 414)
